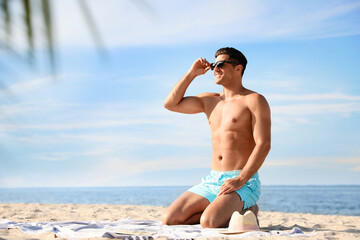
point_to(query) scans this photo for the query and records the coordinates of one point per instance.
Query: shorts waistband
(225, 172)
(229, 173)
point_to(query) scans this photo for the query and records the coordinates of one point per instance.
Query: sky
(100, 120)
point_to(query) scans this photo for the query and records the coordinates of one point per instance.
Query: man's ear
(239, 67)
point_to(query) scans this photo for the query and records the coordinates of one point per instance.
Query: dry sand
(326, 227)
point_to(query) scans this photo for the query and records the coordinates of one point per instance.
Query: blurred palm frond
(47, 20)
(29, 27)
(92, 27)
(6, 19)
(41, 29)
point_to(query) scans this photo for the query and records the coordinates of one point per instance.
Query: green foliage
(41, 29)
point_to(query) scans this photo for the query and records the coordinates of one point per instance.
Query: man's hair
(234, 55)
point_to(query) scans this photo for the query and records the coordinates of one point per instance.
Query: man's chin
(218, 81)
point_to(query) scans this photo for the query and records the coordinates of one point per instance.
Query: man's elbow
(265, 145)
(268, 146)
(168, 106)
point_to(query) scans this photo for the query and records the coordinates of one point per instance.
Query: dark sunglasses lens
(220, 64)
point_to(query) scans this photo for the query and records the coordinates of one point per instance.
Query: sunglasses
(219, 64)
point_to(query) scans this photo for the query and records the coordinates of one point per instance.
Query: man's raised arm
(176, 101)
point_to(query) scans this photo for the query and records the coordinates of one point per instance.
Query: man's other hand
(230, 186)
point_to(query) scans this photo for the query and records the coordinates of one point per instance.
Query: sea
(328, 200)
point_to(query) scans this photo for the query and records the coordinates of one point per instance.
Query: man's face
(226, 72)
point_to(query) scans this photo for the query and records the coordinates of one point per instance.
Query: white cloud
(115, 170)
(123, 23)
(28, 85)
(312, 97)
(131, 167)
(243, 20)
(105, 124)
(14, 109)
(323, 162)
(80, 124)
(289, 110)
(176, 138)
(13, 181)
(277, 163)
(61, 156)
(317, 109)
(42, 120)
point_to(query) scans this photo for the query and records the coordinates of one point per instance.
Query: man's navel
(234, 120)
(220, 157)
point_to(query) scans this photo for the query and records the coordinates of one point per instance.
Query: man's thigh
(219, 212)
(185, 207)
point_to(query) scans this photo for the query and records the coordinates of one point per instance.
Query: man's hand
(200, 66)
(230, 186)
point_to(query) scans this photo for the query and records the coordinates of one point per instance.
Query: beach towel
(135, 229)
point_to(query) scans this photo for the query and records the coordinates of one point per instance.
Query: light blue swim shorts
(210, 187)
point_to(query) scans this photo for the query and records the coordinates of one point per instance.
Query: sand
(326, 226)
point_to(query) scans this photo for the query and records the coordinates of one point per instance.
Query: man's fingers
(224, 191)
(226, 187)
(221, 192)
(203, 63)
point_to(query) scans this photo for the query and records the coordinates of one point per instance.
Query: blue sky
(101, 122)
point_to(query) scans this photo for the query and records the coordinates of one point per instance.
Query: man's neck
(230, 91)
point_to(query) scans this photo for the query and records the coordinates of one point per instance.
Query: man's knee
(208, 221)
(254, 209)
(170, 219)
(167, 219)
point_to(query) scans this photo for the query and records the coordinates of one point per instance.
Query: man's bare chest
(229, 116)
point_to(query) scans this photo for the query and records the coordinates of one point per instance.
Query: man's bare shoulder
(208, 95)
(255, 100)
(254, 96)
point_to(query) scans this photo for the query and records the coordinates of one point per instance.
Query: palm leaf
(46, 14)
(31, 6)
(93, 28)
(29, 29)
(7, 21)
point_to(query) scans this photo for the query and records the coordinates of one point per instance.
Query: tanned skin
(240, 125)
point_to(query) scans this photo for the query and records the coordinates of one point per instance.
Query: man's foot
(255, 210)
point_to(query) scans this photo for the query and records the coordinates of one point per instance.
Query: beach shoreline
(325, 226)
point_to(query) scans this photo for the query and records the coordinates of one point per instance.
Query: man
(240, 122)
